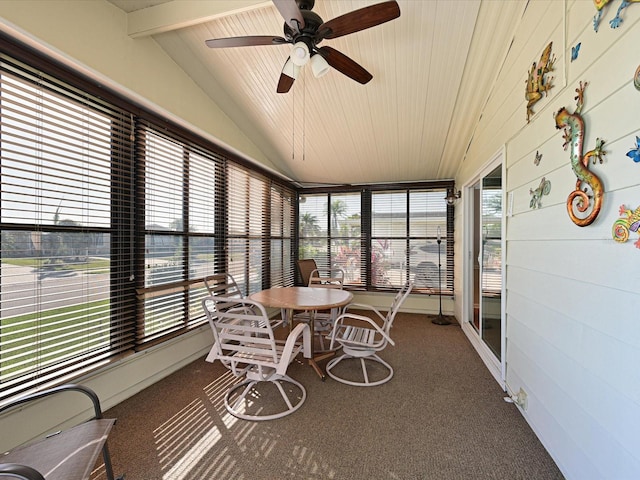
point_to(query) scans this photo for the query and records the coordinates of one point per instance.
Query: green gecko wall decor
(584, 203)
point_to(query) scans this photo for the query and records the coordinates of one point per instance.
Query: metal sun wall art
(629, 222)
(537, 82)
(636, 78)
(584, 203)
(617, 20)
(536, 195)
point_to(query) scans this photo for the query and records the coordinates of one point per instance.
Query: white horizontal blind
(110, 221)
(66, 254)
(405, 227)
(206, 227)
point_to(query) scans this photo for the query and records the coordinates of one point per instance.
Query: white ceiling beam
(184, 13)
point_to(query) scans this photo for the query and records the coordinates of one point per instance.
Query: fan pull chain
(293, 127)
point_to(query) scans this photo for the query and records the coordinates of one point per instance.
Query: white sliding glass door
(483, 311)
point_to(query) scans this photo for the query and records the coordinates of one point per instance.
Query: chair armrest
(52, 391)
(20, 471)
(364, 306)
(285, 359)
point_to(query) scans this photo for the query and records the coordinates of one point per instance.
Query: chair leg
(284, 395)
(364, 371)
(107, 462)
(235, 409)
(367, 382)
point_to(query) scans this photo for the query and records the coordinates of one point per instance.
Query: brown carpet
(442, 416)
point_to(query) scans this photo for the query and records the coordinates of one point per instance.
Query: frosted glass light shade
(291, 69)
(300, 54)
(319, 65)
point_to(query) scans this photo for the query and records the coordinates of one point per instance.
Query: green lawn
(58, 333)
(93, 266)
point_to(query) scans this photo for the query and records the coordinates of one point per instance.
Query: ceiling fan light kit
(305, 30)
(300, 54)
(319, 66)
(290, 69)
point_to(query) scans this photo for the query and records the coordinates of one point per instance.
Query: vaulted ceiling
(433, 69)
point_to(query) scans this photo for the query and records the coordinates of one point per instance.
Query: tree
(338, 210)
(308, 225)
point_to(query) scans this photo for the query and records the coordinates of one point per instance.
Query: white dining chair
(361, 339)
(245, 343)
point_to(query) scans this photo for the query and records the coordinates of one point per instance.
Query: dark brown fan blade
(245, 41)
(286, 82)
(345, 65)
(291, 13)
(357, 20)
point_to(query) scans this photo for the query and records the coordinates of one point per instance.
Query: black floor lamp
(440, 319)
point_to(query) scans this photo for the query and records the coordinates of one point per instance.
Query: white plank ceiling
(433, 69)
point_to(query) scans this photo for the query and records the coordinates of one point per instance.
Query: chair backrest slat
(243, 330)
(222, 284)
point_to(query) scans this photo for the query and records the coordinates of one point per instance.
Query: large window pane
(403, 226)
(63, 284)
(330, 232)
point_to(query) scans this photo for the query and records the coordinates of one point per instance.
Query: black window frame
(366, 267)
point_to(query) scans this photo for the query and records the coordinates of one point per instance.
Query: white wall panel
(570, 395)
(572, 330)
(600, 263)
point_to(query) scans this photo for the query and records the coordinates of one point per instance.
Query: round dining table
(308, 299)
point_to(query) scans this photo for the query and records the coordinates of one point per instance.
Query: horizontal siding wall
(573, 335)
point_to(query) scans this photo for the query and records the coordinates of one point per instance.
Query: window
(330, 232)
(203, 215)
(65, 256)
(402, 225)
(182, 195)
(110, 219)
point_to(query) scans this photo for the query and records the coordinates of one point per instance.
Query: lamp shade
(319, 65)
(291, 69)
(300, 54)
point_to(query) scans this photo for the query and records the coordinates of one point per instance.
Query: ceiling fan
(305, 30)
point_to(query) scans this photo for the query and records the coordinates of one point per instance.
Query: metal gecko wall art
(629, 222)
(585, 202)
(537, 82)
(536, 195)
(617, 20)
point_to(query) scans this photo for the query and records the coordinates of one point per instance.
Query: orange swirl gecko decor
(584, 203)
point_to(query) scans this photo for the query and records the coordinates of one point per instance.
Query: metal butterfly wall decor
(634, 154)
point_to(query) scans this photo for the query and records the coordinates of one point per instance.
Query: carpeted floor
(442, 416)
